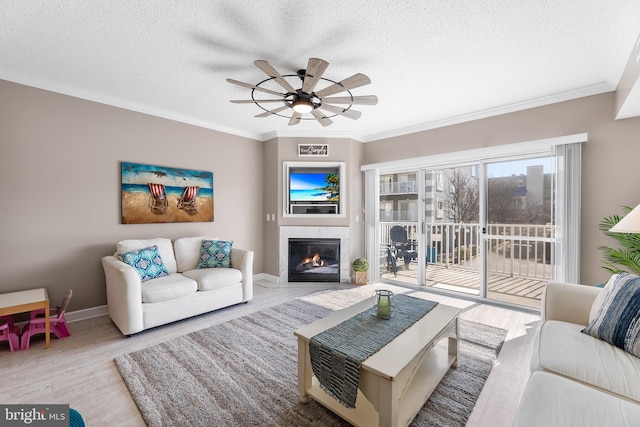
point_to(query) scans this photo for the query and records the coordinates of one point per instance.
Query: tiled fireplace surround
(341, 233)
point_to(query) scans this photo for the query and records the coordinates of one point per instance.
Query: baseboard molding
(87, 313)
(267, 277)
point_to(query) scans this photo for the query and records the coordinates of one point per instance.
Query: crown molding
(113, 101)
(595, 89)
(9, 75)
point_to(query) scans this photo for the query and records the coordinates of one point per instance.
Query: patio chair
(399, 240)
(158, 201)
(187, 201)
(391, 260)
(57, 322)
(9, 332)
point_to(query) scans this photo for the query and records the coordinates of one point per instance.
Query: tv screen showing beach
(313, 187)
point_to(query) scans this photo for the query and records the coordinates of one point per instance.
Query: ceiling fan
(298, 102)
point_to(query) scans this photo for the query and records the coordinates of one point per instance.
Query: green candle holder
(383, 303)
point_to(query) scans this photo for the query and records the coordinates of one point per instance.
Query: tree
(333, 186)
(501, 198)
(462, 197)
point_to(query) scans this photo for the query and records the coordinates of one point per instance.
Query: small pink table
(23, 301)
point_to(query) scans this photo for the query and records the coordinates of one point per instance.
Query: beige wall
(60, 180)
(60, 187)
(609, 162)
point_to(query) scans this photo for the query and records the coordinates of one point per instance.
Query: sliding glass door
(484, 229)
(452, 229)
(494, 223)
(520, 232)
(399, 226)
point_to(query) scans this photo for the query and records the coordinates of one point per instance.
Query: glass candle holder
(383, 304)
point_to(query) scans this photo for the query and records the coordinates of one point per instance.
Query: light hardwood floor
(79, 370)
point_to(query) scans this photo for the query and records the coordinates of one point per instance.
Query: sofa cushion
(187, 251)
(214, 278)
(561, 348)
(147, 262)
(168, 288)
(550, 400)
(215, 254)
(165, 249)
(617, 319)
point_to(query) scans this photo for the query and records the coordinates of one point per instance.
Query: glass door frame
(568, 194)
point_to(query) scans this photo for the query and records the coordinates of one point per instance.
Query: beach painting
(155, 194)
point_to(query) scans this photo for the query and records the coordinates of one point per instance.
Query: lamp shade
(629, 224)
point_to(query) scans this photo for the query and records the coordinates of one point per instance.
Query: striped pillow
(617, 320)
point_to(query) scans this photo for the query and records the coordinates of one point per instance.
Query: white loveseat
(577, 379)
(186, 291)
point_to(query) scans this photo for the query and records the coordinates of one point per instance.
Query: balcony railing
(398, 187)
(523, 250)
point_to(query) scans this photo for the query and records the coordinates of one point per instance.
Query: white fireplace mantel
(341, 233)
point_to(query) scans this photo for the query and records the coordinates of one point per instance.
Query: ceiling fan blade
(324, 120)
(315, 69)
(270, 112)
(352, 114)
(349, 83)
(356, 100)
(258, 88)
(271, 72)
(254, 101)
(295, 119)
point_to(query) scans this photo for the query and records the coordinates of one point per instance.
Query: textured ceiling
(431, 62)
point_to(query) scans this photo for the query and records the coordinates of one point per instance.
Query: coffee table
(395, 382)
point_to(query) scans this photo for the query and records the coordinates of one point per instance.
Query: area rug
(244, 373)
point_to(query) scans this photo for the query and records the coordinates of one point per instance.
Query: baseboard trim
(87, 313)
(267, 277)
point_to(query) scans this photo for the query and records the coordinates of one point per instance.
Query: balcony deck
(521, 290)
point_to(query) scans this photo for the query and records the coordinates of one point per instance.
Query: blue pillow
(215, 254)
(617, 320)
(147, 262)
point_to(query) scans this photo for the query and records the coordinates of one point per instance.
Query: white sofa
(187, 291)
(577, 379)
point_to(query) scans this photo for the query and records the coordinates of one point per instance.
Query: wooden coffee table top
(397, 354)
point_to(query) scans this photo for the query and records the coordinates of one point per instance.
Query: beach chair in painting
(158, 202)
(187, 201)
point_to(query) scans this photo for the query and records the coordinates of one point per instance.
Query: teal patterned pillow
(147, 262)
(617, 320)
(215, 254)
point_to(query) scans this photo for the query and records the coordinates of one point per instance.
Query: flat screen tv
(314, 187)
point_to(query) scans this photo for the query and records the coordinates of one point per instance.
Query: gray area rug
(244, 373)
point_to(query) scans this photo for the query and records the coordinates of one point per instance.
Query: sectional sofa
(578, 378)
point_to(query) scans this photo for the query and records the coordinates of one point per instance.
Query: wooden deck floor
(519, 290)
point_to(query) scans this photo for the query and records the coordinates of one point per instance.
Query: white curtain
(371, 220)
(567, 218)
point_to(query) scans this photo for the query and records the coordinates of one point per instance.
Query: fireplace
(313, 233)
(314, 260)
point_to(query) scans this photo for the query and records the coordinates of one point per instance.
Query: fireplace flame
(315, 261)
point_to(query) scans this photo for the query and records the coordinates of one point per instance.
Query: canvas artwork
(153, 194)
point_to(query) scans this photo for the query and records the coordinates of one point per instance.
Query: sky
(307, 181)
(518, 167)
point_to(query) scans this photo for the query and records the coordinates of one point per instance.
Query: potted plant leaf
(625, 258)
(361, 268)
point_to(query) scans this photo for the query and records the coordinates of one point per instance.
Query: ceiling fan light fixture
(306, 100)
(302, 106)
